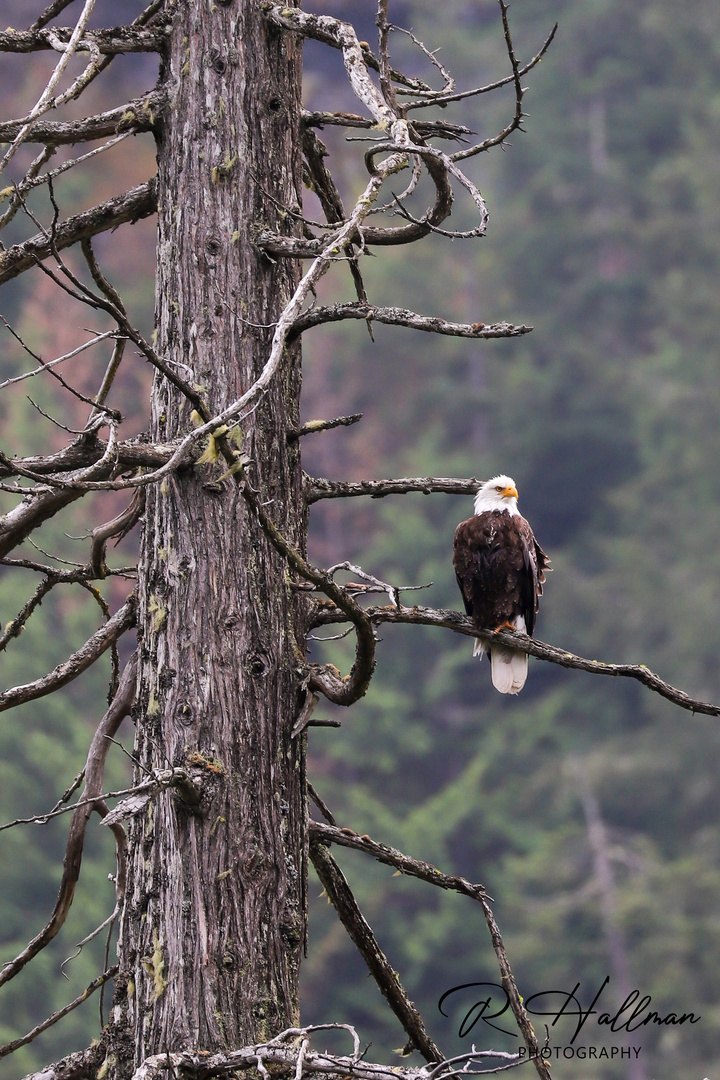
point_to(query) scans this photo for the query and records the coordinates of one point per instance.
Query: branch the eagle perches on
(46, 485)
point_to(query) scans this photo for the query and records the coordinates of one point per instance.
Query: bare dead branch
(448, 81)
(516, 76)
(327, 834)
(397, 200)
(11, 1047)
(109, 42)
(88, 450)
(440, 129)
(460, 1066)
(53, 420)
(386, 84)
(322, 183)
(55, 558)
(137, 115)
(15, 627)
(460, 624)
(50, 12)
(70, 790)
(439, 165)
(282, 246)
(452, 234)
(516, 121)
(337, 241)
(80, 661)
(134, 798)
(114, 654)
(48, 365)
(81, 1065)
(443, 98)
(57, 493)
(28, 181)
(115, 300)
(33, 178)
(286, 1052)
(271, 1053)
(139, 202)
(516, 1002)
(318, 488)
(94, 772)
(314, 426)
(318, 118)
(340, 894)
(372, 584)
(98, 63)
(66, 576)
(320, 178)
(403, 317)
(305, 714)
(51, 492)
(289, 247)
(109, 291)
(321, 805)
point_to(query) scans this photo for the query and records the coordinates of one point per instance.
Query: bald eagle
(500, 569)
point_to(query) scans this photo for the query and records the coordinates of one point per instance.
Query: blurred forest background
(588, 807)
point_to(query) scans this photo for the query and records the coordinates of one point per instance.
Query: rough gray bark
(213, 925)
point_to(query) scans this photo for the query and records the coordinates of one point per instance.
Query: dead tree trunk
(213, 923)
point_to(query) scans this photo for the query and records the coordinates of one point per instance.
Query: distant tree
(211, 877)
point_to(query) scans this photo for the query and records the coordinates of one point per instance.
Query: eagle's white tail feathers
(509, 667)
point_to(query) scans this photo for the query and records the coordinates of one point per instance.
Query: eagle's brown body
(500, 569)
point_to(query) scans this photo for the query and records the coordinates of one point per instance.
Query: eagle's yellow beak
(509, 493)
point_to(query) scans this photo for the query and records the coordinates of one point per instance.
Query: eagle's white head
(499, 493)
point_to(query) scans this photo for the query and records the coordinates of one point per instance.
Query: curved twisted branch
(331, 32)
(356, 59)
(94, 771)
(326, 679)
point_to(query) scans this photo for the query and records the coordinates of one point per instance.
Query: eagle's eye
(498, 488)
